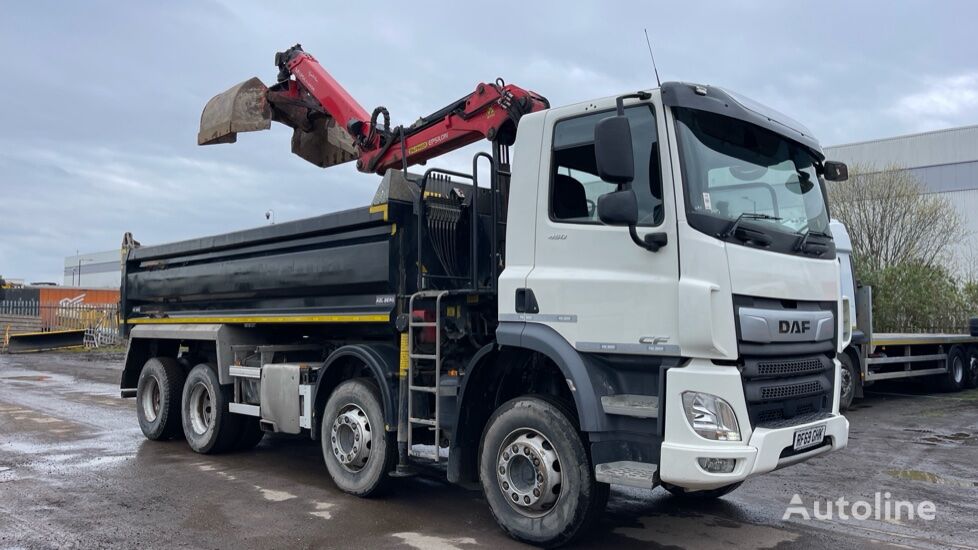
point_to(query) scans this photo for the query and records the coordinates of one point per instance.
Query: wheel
(700, 496)
(536, 473)
(158, 398)
(953, 380)
(250, 435)
(848, 379)
(207, 424)
(971, 374)
(357, 450)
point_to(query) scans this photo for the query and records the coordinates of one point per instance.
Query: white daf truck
(646, 295)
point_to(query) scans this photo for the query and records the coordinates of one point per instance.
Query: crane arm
(331, 127)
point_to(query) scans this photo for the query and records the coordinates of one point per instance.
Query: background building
(944, 161)
(94, 270)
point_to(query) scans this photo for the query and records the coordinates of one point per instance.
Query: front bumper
(766, 449)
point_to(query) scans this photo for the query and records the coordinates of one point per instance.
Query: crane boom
(330, 127)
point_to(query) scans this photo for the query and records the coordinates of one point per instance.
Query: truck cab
(730, 328)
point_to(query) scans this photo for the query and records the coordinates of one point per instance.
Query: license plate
(809, 437)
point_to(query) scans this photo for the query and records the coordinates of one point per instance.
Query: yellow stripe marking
(339, 318)
(46, 333)
(404, 357)
(382, 208)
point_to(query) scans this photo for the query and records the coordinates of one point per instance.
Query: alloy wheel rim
(350, 438)
(528, 472)
(202, 410)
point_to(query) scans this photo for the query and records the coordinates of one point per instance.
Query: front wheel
(357, 450)
(536, 473)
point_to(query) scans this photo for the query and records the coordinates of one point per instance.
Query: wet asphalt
(75, 471)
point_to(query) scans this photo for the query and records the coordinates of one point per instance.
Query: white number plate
(809, 437)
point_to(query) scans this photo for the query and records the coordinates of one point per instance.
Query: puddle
(918, 475)
(34, 378)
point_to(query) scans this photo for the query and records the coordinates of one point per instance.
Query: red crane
(330, 127)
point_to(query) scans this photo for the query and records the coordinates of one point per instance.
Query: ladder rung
(429, 389)
(422, 421)
(423, 454)
(423, 356)
(424, 324)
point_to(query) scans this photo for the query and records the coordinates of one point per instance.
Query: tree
(892, 219)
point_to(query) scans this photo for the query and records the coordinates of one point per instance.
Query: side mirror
(835, 170)
(613, 150)
(618, 207)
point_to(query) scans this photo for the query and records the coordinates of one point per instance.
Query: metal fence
(99, 321)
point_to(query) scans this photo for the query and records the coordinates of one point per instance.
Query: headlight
(711, 417)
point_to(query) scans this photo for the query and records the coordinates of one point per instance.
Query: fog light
(718, 465)
(711, 417)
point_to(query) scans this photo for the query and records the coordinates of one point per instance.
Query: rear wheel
(848, 380)
(957, 363)
(357, 450)
(700, 496)
(971, 373)
(207, 424)
(158, 398)
(536, 473)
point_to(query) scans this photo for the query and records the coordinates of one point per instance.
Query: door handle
(526, 302)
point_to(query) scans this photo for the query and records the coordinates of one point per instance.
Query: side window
(574, 182)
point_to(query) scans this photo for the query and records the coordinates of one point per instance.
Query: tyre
(207, 424)
(357, 450)
(250, 435)
(971, 373)
(158, 398)
(957, 363)
(536, 473)
(848, 380)
(700, 496)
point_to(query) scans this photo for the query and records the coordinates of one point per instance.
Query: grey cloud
(101, 100)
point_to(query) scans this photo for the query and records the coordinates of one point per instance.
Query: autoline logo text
(883, 507)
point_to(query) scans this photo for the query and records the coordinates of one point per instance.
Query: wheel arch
(379, 362)
(484, 387)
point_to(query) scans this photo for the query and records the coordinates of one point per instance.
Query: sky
(100, 101)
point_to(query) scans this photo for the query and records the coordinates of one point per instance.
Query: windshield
(733, 169)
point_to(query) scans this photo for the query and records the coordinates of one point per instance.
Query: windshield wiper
(803, 241)
(748, 215)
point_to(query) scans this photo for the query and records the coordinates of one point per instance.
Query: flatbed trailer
(950, 360)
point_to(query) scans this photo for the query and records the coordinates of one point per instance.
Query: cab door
(589, 281)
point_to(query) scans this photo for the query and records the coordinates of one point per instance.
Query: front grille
(790, 367)
(785, 382)
(790, 390)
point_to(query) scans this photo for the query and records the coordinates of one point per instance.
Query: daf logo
(794, 327)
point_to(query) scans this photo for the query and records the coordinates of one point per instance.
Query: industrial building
(944, 161)
(94, 270)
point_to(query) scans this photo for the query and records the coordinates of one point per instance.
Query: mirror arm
(652, 242)
(620, 100)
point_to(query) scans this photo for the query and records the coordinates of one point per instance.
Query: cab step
(627, 472)
(626, 404)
